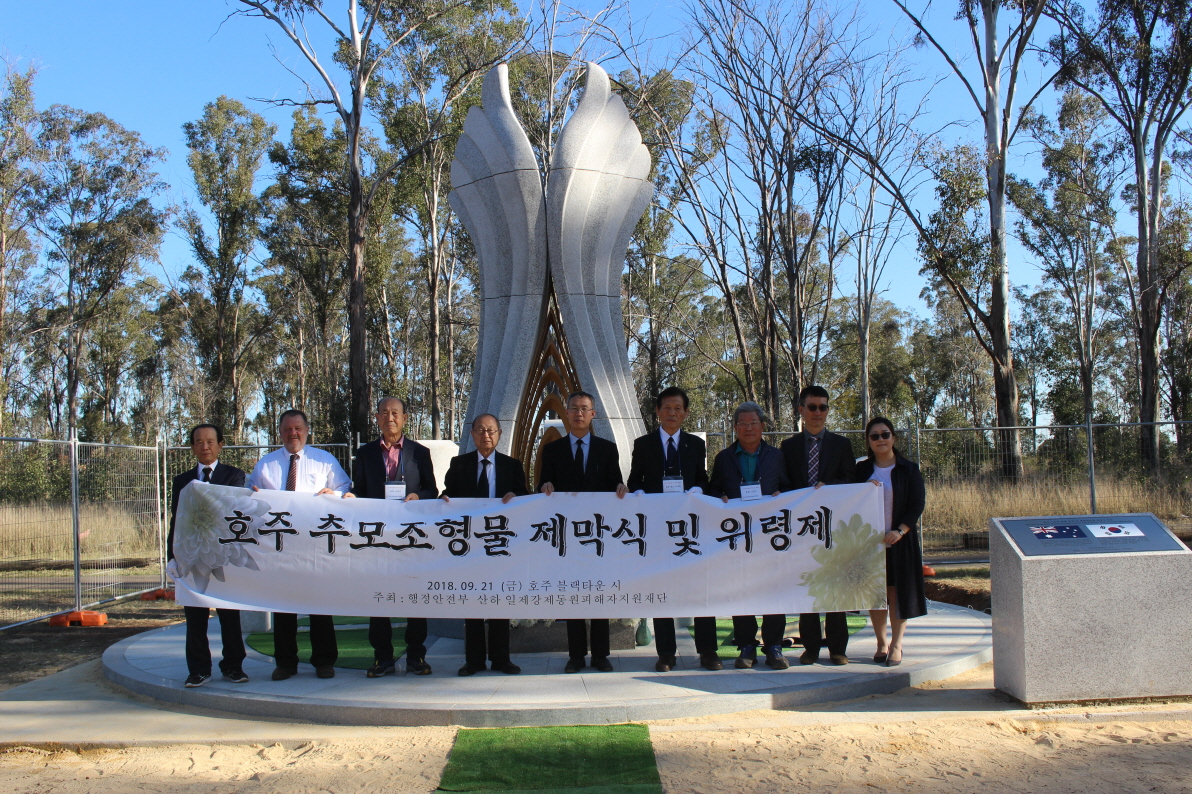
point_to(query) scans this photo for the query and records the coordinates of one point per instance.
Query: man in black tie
(485, 474)
(673, 461)
(813, 458)
(394, 467)
(581, 462)
(206, 442)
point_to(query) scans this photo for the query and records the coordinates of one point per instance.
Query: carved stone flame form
(550, 266)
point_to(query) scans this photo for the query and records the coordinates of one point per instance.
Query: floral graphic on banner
(202, 511)
(851, 572)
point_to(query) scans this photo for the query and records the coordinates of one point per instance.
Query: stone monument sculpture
(551, 250)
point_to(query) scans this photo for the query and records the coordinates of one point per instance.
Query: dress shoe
(838, 658)
(574, 664)
(381, 668)
(710, 661)
(602, 664)
(774, 658)
(880, 657)
(747, 658)
(325, 671)
(890, 659)
(470, 669)
(236, 676)
(508, 668)
(282, 673)
(664, 664)
(417, 667)
(809, 657)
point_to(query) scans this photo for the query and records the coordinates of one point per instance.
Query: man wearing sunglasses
(817, 457)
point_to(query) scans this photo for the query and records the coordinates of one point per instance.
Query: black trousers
(836, 629)
(198, 650)
(380, 637)
(745, 629)
(667, 645)
(477, 647)
(577, 638)
(323, 648)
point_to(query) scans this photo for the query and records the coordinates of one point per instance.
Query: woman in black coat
(904, 495)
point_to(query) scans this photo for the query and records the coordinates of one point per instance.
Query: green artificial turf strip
(354, 650)
(724, 632)
(597, 759)
(348, 620)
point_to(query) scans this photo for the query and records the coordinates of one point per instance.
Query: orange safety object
(160, 592)
(928, 570)
(84, 618)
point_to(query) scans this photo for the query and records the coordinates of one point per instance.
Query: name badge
(751, 491)
(672, 484)
(395, 490)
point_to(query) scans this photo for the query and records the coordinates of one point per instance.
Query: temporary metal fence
(82, 524)
(969, 478)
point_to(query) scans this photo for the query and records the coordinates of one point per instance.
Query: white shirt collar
(665, 436)
(300, 453)
(490, 457)
(574, 438)
(212, 465)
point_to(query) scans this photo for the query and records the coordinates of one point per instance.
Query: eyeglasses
(576, 409)
(882, 436)
(486, 431)
(749, 425)
(814, 407)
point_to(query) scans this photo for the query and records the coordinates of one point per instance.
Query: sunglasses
(882, 436)
(814, 407)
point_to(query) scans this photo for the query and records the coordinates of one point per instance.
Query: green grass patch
(596, 759)
(354, 649)
(724, 632)
(962, 572)
(347, 620)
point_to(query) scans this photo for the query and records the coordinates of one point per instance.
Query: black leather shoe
(574, 664)
(380, 668)
(838, 658)
(809, 657)
(602, 664)
(710, 661)
(468, 669)
(775, 660)
(508, 668)
(282, 673)
(325, 671)
(236, 676)
(880, 658)
(417, 667)
(664, 664)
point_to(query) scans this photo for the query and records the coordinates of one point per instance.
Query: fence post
(158, 480)
(1088, 432)
(74, 519)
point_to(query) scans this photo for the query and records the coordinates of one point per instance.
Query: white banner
(583, 555)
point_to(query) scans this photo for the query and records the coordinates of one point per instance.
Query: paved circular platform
(947, 641)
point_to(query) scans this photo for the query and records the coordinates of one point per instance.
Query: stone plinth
(1089, 627)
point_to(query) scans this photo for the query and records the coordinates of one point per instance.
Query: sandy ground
(411, 764)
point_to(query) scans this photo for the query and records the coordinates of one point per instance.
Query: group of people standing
(664, 461)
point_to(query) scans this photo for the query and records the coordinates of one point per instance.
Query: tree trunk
(1150, 199)
(359, 386)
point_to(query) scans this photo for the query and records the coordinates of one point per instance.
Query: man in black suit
(670, 461)
(581, 462)
(485, 474)
(813, 458)
(394, 467)
(206, 442)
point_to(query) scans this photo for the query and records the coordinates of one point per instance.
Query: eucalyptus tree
(95, 212)
(1135, 58)
(228, 148)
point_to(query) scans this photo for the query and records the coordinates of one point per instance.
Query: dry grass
(45, 532)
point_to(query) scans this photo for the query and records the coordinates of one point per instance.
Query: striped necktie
(292, 477)
(813, 460)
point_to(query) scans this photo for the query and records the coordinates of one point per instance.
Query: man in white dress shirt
(295, 467)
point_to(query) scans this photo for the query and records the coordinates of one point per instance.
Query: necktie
(813, 453)
(482, 483)
(206, 474)
(672, 456)
(292, 477)
(579, 456)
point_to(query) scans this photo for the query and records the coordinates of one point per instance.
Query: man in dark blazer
(750, 460)
(817, 457)
(581, 462)
(206, 442)
(394, 466)
(485, 474)
(671, 456)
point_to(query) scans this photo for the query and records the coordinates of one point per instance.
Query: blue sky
(152, 65)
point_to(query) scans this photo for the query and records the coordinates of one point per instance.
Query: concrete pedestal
(1090, 627)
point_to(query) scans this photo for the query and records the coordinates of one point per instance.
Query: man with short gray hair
(749, 468)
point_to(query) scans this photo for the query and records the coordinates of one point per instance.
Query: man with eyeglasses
(581, 462)
(485, 474)
(749, 469)
(817, 457)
